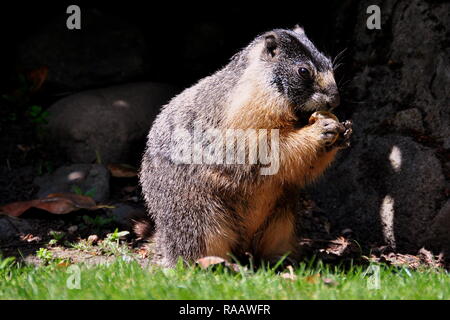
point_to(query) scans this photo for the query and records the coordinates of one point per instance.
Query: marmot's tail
(143, 227)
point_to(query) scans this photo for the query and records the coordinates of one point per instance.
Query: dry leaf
(289, 275)
(56, 203)
(206, 262)
(424, 258)
(212, 261)
(338, 246)
(30, 238)
(143, 253)
(37, 78)
(313, 278)
(330, 282)
(119, 170)
(63, 264)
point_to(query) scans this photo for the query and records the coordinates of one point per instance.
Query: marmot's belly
(259, 208)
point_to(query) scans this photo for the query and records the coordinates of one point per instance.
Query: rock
(410, 119)
(424, 53)
(13, 227)
(108, 124)
(107, 50)
(389, 186)
(439, 232)
(386, 189)
(90, 179)
(439, 116)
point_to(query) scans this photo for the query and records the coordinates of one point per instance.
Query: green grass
(128, 280)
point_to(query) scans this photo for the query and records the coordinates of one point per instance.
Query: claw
(343, 141)
(348, 132)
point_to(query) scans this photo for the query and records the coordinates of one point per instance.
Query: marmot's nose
(334, 100)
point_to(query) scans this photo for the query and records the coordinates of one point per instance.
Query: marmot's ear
(298, 29)
(271, 44)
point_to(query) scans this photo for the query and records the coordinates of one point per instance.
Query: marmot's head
(299, 72)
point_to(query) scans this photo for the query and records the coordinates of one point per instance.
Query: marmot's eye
(303, 72)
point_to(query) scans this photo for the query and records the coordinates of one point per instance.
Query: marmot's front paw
(332, 133)
(328, 127)
(343, 141)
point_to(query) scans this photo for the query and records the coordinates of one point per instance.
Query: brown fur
(220, 210)
(302, 160)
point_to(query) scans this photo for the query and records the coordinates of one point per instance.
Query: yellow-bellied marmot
(212, 182)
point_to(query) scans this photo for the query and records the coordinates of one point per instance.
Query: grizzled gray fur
(276, 82)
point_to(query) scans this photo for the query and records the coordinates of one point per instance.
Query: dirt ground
(82, 236)
(82, 242)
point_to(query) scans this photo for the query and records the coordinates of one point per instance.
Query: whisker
(339, 56)
(343, 84)
(335, 67)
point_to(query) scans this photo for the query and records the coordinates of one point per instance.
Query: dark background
(394, 85)
(170, 28)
